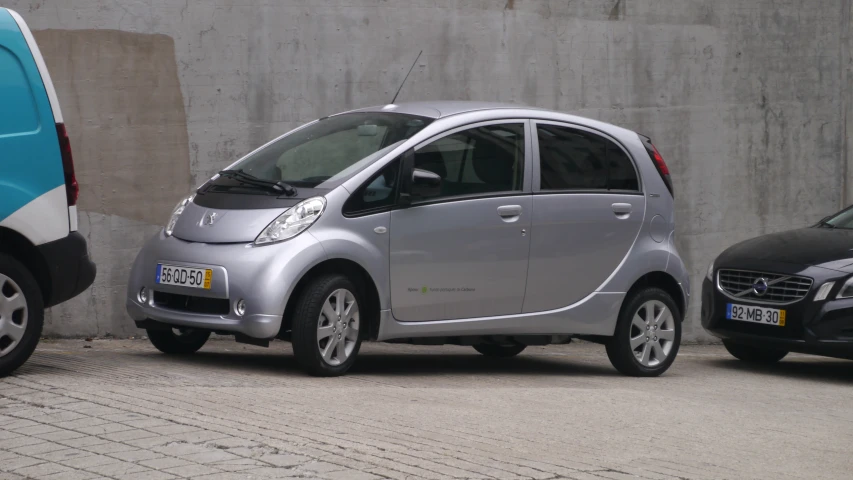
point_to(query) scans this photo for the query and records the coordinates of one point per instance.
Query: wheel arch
(665, 282)
(352, 270)
(21, 249)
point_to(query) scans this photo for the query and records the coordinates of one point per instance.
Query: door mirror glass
(425, 184)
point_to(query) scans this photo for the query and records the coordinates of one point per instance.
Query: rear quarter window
(18, 112)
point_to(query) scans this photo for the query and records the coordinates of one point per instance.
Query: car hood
(226, 226)
(821, 247)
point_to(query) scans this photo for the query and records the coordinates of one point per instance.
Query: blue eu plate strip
(160, 269)
(728, 305)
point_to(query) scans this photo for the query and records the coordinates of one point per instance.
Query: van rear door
(35, 200)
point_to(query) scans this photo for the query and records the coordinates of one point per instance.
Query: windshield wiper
(249, 179)
(825, 224)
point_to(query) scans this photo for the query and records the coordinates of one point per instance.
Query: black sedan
(785, 292)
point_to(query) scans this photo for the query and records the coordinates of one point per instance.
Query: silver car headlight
(710, 274)
(176, 213)
(846, 289)
(292, 222)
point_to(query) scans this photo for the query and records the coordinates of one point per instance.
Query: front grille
(780, 288)
(188, 303)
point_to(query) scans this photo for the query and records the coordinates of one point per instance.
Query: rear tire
(327, 331)
(647, 335)
(499, 351)
(180, 342)
(754, 354)
(21, 314)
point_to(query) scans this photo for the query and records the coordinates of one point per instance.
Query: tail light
(660, 165)
(72, 190)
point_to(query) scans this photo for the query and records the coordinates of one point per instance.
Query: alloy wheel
(652, 333)
(13, 315)
(337, 327)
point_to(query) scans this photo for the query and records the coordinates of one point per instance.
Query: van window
(578, 160)
(481, 160)
(16, 98)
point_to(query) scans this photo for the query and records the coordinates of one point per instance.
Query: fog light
(823, 292)
(143, 295)
(240, 308)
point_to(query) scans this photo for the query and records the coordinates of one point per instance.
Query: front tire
(754, 354)
(21, 314)
(499, 351)
(326, 333)
(648, 334)
(175, 341)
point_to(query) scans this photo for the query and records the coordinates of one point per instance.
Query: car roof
(443, 108)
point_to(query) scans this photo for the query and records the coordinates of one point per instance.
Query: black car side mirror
(425, 184)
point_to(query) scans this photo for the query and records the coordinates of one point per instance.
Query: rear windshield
(331, 148)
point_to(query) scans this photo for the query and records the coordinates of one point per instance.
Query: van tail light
(72, 190)
(660, 165)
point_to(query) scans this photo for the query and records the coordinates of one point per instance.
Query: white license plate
(764, 316)
(183, 276)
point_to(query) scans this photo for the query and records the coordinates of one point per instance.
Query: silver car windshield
(332, 148)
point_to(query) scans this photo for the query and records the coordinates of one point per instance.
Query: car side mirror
(425, 184)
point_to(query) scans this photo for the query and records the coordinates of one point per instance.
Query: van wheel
(499, 351)
(754, 354)
(647, 336)
(21, 314)
(178, 341)
(326, 332)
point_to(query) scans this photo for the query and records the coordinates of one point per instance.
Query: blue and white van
(43, 260)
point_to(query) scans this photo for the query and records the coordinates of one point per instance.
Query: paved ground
(119, 410)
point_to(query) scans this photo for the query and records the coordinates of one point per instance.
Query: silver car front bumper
(264, 277)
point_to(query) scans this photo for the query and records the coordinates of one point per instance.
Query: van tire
(499, 351)
(24, 280)
(633, 325)
(183, 343)
(309, 317)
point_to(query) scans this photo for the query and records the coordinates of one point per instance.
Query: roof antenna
(407, 77)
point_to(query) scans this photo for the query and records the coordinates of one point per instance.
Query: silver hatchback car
(489, 225)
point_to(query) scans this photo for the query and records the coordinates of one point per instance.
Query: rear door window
(573, 159)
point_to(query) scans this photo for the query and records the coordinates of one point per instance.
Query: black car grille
(188, 303)
(780, 288)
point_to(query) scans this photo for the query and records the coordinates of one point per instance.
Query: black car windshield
(843, 219)
(331, 148)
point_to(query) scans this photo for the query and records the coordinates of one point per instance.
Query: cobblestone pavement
(118, 409)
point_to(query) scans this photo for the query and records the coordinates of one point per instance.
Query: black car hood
(821, 247)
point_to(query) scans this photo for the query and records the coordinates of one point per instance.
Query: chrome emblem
(208, 219)
(759, 286)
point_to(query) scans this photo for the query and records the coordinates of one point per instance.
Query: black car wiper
(824, 223)
(249, 179)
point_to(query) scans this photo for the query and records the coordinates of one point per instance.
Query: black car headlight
(846, 289)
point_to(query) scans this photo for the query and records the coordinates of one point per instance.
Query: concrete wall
(748, 101)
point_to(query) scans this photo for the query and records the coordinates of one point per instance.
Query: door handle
(509, 211)
(622, 210)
